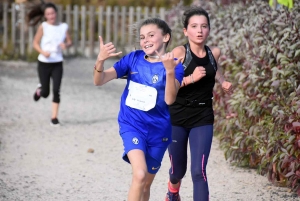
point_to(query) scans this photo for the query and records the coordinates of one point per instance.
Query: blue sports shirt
(154, 124)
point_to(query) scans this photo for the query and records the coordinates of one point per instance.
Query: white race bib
(141, 97)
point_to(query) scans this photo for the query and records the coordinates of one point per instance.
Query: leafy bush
(153, 3)
(9, 53)
(259, 124)
(12, 53)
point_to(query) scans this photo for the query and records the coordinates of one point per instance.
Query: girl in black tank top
(192, 113)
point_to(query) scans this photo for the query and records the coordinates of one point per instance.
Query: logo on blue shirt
(154, 79)
(135, 140)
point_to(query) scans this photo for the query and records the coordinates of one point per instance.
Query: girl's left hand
(168, 60)
(227, 87)
(63, 46)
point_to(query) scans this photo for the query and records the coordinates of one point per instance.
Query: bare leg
(149, 180)
(54, 110)
(139, 172)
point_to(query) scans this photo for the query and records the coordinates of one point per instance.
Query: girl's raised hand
(106, 50)
(168, 60)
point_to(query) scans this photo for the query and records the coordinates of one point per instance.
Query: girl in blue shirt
(153, 80)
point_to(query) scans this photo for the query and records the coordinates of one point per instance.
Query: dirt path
(40, 162)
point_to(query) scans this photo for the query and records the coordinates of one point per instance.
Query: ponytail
(36, 13)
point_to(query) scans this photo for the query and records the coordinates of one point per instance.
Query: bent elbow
(170, 102)
(97, 83)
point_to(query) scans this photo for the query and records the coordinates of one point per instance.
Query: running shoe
(172, 196)
(37, 93)
(54, 122)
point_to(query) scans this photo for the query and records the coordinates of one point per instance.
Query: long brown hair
(36, 13)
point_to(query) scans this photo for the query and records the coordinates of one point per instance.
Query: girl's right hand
(198, 73)
(46, 54)
(106, 50)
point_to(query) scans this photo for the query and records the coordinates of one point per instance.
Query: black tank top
(188, 116)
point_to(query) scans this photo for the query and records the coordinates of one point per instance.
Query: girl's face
(197, 30)
(50, 15)
(152, 38)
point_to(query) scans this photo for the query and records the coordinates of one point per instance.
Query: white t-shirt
(53, 35)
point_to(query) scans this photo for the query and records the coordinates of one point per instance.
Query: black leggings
(47, 70)
(200, 139)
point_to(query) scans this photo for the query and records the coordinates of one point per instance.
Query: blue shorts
(154, 155)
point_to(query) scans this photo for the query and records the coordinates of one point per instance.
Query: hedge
(259, 124)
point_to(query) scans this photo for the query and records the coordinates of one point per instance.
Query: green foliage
(174, 20)
(32, 57)
(151, 3)
(13, 53)
(259, 124)
(9, 53)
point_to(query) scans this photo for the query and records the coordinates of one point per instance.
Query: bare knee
(139, 176)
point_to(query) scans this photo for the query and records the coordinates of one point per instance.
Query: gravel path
(40, 162)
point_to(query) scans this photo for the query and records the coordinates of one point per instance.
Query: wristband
(192, 79)
(99, 71)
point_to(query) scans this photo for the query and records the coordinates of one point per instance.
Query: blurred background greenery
(149, 3)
